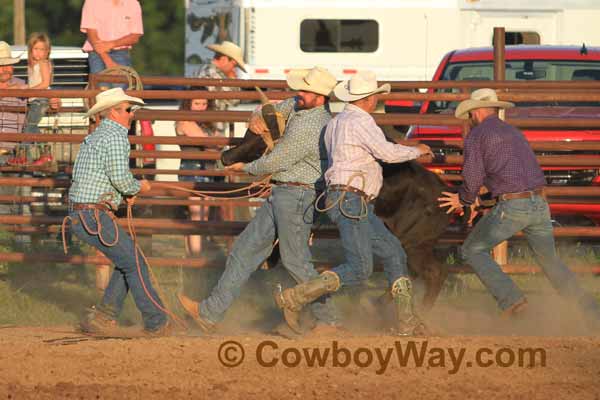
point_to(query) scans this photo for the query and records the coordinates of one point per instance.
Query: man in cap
(498, 156)
(227, 58)
(296, 164)
(101, 177)
(354, 145)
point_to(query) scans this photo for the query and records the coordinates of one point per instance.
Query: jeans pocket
(353, 206)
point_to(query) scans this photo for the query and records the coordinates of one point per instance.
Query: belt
(522, 195)
(300, 184)
(346, 188)
(91, 206)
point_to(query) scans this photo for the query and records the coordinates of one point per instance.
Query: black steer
(408, 205)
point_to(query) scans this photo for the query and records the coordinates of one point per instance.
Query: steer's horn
(263, 97)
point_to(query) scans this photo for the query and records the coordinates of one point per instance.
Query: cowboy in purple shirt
(498, 156)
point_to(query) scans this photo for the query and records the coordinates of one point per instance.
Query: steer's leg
(422, 262)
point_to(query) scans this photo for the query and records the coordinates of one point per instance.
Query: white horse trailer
(398, 39)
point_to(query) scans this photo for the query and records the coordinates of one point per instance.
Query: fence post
(500, 252)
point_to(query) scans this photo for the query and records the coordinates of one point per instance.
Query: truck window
(339, 35)
(519, 70)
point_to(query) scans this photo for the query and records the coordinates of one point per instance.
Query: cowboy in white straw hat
(498, 156)
(100, 179)
(110, 98)
(231, 50)
(481, 98)
(297, 169)
(223, 65)
(354, 145)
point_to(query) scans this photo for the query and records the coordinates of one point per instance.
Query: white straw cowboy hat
(230, 50)
(361, 85)
(6, 57)
(316, 80)
(481, 98)
(110, 98)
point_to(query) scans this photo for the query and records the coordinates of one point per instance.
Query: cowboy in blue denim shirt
(101, 177)
(498, 156)
(296, 163)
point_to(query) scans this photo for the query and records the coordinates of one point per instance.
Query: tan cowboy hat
(362, 84)
(481, 98)
(6, 57)
(316, 80)
(110, 98)
(230, 50)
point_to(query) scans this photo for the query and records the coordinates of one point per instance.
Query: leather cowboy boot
(408, 323)
(291, 301)
(191, 307)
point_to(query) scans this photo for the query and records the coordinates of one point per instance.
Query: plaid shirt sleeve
(117, 166)
(473, 171)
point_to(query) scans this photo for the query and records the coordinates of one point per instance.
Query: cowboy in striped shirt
(354, 145)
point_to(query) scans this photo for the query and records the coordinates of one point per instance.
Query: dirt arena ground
(52, 363)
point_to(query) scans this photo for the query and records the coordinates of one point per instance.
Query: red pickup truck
(526, 63)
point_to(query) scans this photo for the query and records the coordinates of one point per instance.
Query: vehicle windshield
(521, 70)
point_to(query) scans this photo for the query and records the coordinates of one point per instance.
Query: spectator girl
(197, 130)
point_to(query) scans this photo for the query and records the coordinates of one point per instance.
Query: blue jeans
(35, 111)
(362, 238)
(532, 216)
(287, 214)
(121, 57)
(125, 276)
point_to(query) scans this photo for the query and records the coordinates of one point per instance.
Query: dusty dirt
(54, 363)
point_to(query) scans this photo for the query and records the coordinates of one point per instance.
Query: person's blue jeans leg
(355, 233)
(250, 249)
(293, 208)
(121, 57)
(540, 236)
(35, 111)
(495, 227)
(126, 275)
(387, 248)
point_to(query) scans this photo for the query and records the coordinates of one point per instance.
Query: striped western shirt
(101, 171)
(354, 144)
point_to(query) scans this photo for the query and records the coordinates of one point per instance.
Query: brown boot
(98, 323)
(408, 323)
(191, 307)
(292, 300)
(516, 309)
(165, 329)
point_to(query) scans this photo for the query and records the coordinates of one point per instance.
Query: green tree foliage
(159, 52)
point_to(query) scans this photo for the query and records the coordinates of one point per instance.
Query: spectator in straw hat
(498, 156)
(10, 122)
(227, 59)
(296, 164)
(101, 177)
(354, 145)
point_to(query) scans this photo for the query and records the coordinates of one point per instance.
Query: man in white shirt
(354, 145)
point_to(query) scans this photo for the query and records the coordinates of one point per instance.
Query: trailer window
(339, 35)
(513, 38)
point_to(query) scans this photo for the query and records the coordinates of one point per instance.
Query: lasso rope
(339, 202)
